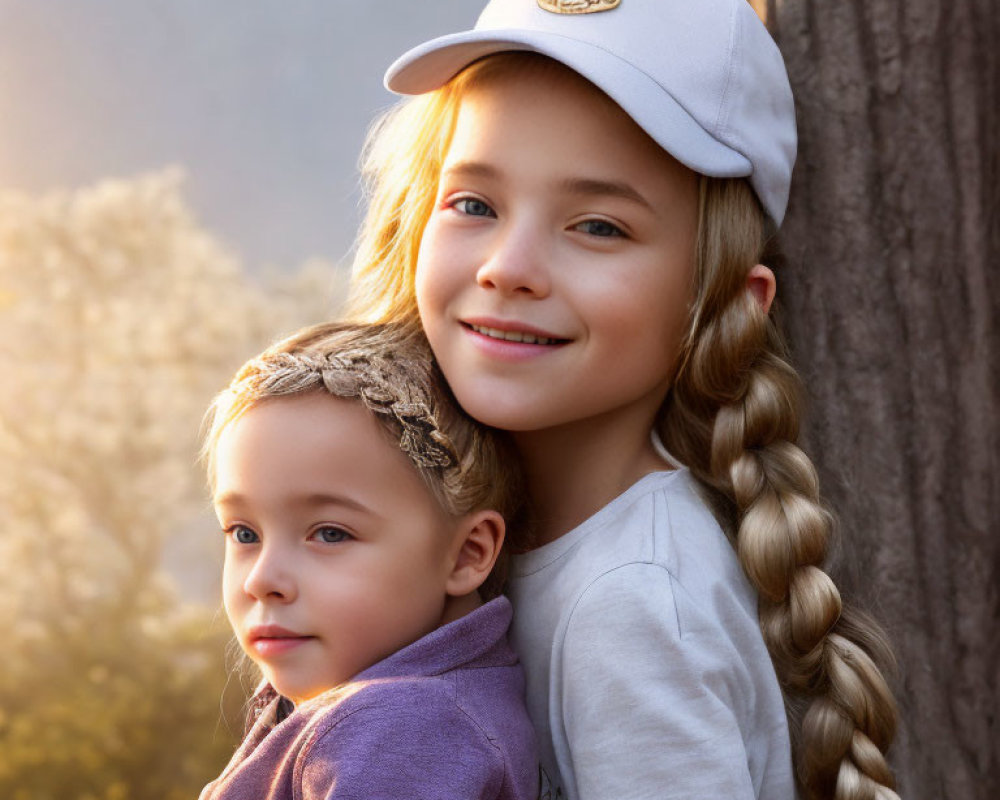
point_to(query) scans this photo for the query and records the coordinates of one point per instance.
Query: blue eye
(331, 535)
(600, 227)
(241, 534)
(473, 207)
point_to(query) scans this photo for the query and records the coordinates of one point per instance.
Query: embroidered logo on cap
(578, 6)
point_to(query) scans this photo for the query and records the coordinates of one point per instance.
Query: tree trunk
(891, 302)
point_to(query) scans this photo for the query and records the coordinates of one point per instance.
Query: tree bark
(891, 302)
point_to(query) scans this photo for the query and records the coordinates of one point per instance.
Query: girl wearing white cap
(575, 207)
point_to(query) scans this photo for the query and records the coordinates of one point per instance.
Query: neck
(574, 470)
(458, 607)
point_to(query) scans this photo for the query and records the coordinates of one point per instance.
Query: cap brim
(432, 64)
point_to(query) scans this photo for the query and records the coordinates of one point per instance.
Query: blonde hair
(390, 371)
(732, 416)
(400, 166)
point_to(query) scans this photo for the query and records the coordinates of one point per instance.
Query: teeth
(512, 336)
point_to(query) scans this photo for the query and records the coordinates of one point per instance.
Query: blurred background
(178, 187)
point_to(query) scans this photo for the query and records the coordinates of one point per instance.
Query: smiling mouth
(514, 336)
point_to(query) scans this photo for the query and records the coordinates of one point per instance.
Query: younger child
(577, 207)
(364, 523)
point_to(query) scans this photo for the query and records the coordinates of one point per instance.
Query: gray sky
(264, 103)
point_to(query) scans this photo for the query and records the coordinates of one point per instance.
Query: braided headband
(385, 386)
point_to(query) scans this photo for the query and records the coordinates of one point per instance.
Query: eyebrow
(596, 186)
(472, 169)
(308, 500)
(576, 185)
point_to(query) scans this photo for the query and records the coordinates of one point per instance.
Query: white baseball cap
(702, 77)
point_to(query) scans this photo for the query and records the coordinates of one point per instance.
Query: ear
(479, 541)
(762, 285)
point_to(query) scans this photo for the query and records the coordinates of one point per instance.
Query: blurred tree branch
(119, 318)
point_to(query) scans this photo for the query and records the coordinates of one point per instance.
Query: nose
(516, 265)
(271, 577)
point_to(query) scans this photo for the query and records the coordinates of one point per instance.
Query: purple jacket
(441, 719)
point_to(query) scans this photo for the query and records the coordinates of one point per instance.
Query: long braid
(733, 417)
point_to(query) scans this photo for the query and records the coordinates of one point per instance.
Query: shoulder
(637, 620)
(662, 549)
(419, 701)
(629, 602)
(638, 652)
(422, 743)
(654, 559)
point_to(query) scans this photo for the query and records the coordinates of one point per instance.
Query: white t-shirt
(647, 675)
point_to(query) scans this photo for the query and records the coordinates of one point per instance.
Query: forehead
(313, 444)
(528, 74)
(545, 115)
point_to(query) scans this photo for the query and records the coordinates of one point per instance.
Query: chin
(516, 419)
